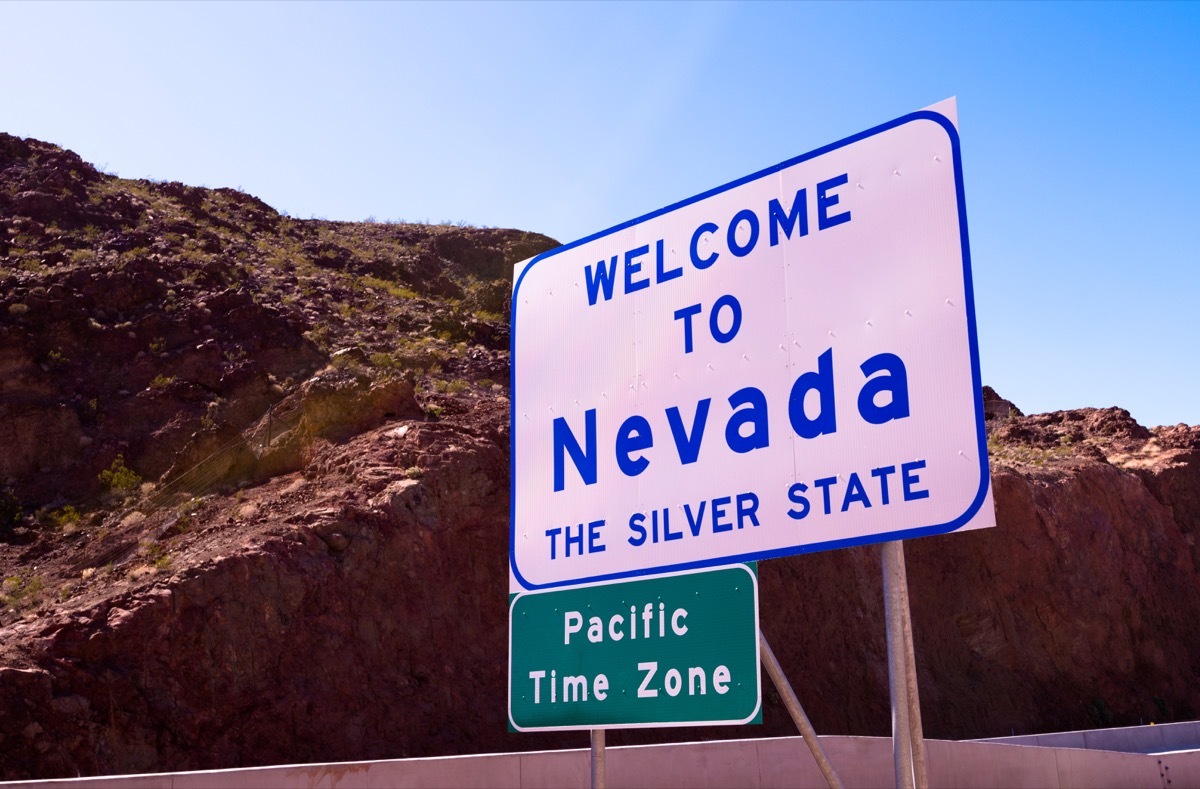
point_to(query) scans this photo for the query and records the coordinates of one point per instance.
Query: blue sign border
(972, 341)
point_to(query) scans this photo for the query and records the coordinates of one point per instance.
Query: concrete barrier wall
(784, 762)
(1130, 739)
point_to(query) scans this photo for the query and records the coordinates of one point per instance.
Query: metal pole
(793, 706)
(893, 601)
(920, 766)
(597, 758)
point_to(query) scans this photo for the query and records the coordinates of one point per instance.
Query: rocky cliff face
(301, 554)
(152, 320)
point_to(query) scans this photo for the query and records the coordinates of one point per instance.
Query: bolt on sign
(659, 651)
(783, 364)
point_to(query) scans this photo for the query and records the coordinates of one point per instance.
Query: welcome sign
(786, 363)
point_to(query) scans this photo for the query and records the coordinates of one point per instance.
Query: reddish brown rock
(356, 610)
(319, 571)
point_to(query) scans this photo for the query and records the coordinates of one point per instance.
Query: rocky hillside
(254, 502)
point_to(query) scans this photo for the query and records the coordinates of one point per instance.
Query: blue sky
(1079, 124)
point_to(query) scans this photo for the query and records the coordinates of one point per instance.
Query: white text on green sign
(667, 650)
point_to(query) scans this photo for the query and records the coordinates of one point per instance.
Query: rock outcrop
(317, 566)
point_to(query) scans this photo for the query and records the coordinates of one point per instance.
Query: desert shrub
(156, 555)
(383, 360)
(21, 591)
(64, 517)
(393, 288)
(1100, 714)
(119, 477)
(183, 520)
(10, 511)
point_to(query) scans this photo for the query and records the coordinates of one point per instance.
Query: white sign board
(783, 364)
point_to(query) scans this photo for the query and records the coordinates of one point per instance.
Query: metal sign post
(597, 759)
(797, 712)
(920, 771)
(908, 739)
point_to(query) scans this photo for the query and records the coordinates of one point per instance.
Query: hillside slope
(254, 501)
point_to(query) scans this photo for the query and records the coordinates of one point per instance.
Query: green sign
(668, 650)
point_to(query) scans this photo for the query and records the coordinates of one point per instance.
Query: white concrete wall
(1130, 739)
(783, 762)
